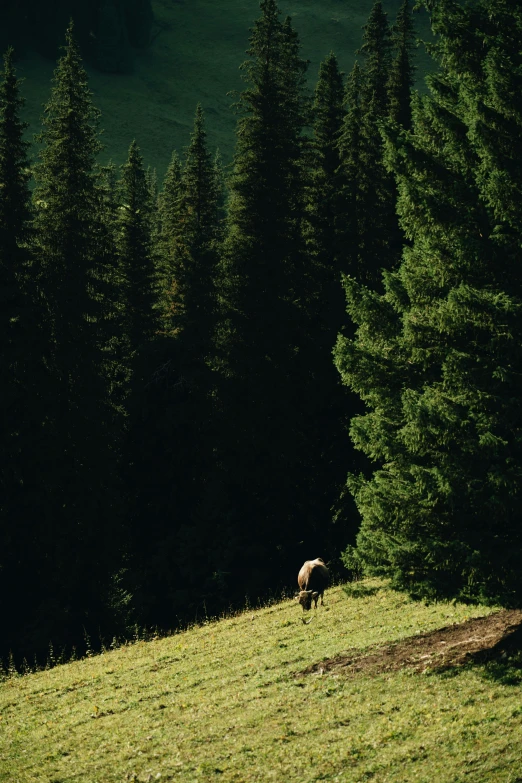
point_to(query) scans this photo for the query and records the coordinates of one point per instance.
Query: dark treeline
(175, 429)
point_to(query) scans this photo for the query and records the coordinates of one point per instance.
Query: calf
(313, 579)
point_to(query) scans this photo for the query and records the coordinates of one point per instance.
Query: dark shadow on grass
(360, 590)
(503, 662)
(493, 643)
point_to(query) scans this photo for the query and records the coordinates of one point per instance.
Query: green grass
(196, 59)
(222, 702)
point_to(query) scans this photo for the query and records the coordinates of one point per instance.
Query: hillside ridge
(195, 59)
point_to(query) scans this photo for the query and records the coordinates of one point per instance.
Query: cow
(313, 579)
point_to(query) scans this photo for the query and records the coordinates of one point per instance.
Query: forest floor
(195, 57)
(376, 687)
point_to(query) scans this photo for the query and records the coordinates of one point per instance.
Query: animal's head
(305, 598)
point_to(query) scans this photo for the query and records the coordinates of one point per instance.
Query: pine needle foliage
(351, 152)
(402, 70)
(328, 224)
(171, 423)
(436, 358)
(376, 239)
(326, 211)
(21, 366)
(376, 54)
(266, 292)
(71, 246)
(169, 226)
(135, 253)
(196, 253)
(15, 217)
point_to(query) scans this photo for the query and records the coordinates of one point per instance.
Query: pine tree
(135, 252)
(149, 440)
(402, 71)
(328, 217)
(326, 210)
(267, 291)
(351, 150)
(436, 358)
(117, 365)
(377, 239)
(221, 184)
(14, 258)
(260, 253)
(376, 55)
(77, 514)
(194, 297)
(22, 372)
(168, 228)
(176, 443)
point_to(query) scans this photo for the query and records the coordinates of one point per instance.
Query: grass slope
(222, 702)
(195, 58)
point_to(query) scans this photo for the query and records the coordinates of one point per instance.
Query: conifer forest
(313, 349)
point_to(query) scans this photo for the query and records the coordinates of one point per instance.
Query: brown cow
(313, 579)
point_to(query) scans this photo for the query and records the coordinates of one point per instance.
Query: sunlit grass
(222, 702)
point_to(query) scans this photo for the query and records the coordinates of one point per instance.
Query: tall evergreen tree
(117, 364)
(14, 258)
(376, 53)
(436, 358)
(402, 71)
(135, 252)
(168, 228)
(194, 297)
(326, 216)
(22, 370)
(175, 449)
(267, 291)
(351, 152)
(147, 419)
(373, 229)
(76, 525)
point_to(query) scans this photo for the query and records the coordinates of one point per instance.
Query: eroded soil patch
(478, 640)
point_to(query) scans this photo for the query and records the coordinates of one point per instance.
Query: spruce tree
(22, 374)
(377, 240)
(117, 365)
(14, 260)
(260, 250)
(193, 299)
(267, 290)
(148, 439)
(402, 71)
(436, 358)
(79, 551)
(168, 228)
(376, 54)
(176, 444)
(221, 185)
(326, 215)
(135, 252)
(351, 150)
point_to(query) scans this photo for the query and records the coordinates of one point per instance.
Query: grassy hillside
(195, 57)
(229, 701)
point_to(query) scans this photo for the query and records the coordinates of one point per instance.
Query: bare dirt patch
(475, 641)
